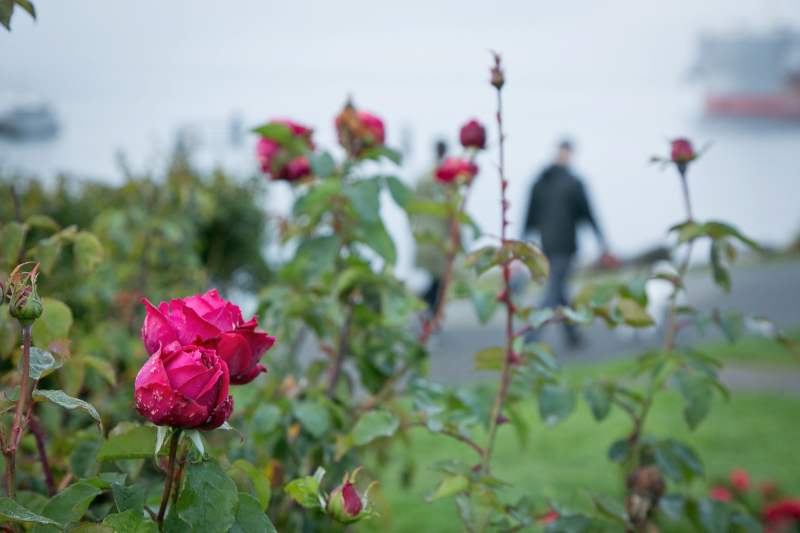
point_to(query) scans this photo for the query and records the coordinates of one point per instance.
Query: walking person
(558, 204)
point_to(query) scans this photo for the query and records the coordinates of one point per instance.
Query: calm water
(613, 76)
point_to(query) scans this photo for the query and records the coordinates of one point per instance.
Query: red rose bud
(24, 303)
(721, 494)
(358, 130)
(473, 135)
(740, 480)
(184, 387)
(285, 163)
(212, 322)
(345, 504)
(456, 170)
(682, 151)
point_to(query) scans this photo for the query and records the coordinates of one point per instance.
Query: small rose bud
(456, 170)
(358, 130)
(473, 135)
(345, 504)
(24, 302)
(682, 151)
(498, 78)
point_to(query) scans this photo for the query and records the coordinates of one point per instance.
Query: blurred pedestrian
(558, 204)
(431, 232)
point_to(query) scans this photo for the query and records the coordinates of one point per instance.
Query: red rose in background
(184, 387)
(454, 169)
(682, 151)
(283, 162)
(740, 480)
(721, 494)
(358, 130)
(473, 135)
(782, 516)
(213, 322)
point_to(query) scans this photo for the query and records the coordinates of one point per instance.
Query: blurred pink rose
(212, 322)
(740, 480)
(455, 169)
(184, 387)
(357, 130)
(473, 135)
(279, 162)
(721, 494)
(682, 151)
(782, 516)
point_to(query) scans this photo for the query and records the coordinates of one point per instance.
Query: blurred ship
(26, 118)
(751, 75)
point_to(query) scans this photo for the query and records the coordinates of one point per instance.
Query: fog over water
(612, 75)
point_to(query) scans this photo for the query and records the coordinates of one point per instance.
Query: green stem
(21, 414)
(173, 450)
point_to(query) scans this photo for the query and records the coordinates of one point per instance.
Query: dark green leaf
(88, 252)
(258, 480)
(14, 512)
(314, 416)
(69, 505)
(12, 236)
(483, 259)
(129, 497)
(376, 237)
(41, 363)
(556, 403)
(672, 505)
(135, 443)
(130, 521)
(61, 398)
(401, 194)
(372, 425)
(678, 462)
(209, 498)
(619, 450)
(598, 396)
(364, 196)
(250, 517)
(322, 164)
(715, 516)
(696, 392)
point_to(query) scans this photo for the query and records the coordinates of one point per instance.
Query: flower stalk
(168, 481)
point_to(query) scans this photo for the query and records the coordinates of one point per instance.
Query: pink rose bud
(473, 135)
(721, 494)
(682, 151)
(345, 503)
(184, 387)
(212, 322)
(358, 130)
(281, 162)
(740, 480)
(455, 169)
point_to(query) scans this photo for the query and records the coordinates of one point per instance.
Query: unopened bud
(24, 302)
(345, 504)
(498, 78)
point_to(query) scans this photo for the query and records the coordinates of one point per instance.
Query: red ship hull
(776, 106)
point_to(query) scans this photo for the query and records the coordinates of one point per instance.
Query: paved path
(771, 289)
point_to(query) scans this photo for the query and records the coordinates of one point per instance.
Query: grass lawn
(755, 431)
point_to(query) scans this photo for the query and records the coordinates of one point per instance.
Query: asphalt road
(770, 289)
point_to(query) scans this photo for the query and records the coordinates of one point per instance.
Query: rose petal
(157, 330)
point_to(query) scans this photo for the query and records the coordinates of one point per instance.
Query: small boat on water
(28, 122)
(751, 75)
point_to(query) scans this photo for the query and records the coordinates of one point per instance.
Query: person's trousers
(556, 291)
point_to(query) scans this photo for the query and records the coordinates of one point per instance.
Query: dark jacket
(557, 204)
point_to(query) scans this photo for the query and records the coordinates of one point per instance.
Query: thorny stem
(20, 416)
(38, 434)
(173, 450)
(505, 377)
(341, 351)
(457, 436)
(671, 331)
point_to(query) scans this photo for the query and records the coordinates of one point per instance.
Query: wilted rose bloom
(358, 130)
(213, 322)
(473, 135)
(184, 387)
(682, 151)
(345, 503)
(782, 516)
(455, 169)
(740, 480)
(277, 161)
(721, 494)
